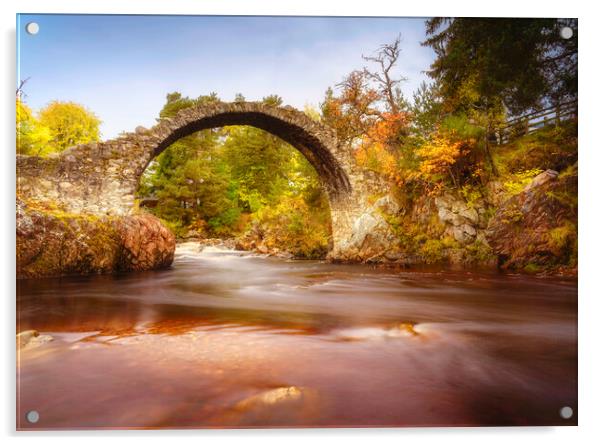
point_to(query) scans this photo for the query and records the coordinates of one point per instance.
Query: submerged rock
(271, 397)
(285, 405)
(31, 339)
(378, 333)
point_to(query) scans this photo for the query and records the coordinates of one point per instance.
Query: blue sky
(121, 67)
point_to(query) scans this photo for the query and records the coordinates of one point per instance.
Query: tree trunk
(488, 149)
(489, 156)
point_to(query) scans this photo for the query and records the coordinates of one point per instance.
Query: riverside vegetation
(457, 196)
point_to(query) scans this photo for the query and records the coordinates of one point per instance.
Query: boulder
(536, 229)
(145, 243)
(462, 220)
(541, 179)
(286, 405)
(464, 233)
(372, 236)
(55, 243)
(388, 205)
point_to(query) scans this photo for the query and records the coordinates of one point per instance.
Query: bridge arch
(102, 178)
(315, 141)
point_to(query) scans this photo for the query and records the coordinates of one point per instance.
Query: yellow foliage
(438, 154)
(32, 137)
(445, 157)
(69, 124)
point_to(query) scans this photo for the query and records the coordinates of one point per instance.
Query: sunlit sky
(121, 67)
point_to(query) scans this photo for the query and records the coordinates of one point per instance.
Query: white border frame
(590, 294)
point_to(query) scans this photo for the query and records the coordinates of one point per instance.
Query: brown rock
(536, 229)
(147, 244)
(54, 243)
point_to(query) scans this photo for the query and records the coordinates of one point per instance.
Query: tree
(369, 98)
(386, 58)
(273, 99)
(32, 137)
(69, 124)
(426, 109)
(485, 67)
(207, 181)
(514, 63)
(355, 110)
(446, 155)
(259, 163)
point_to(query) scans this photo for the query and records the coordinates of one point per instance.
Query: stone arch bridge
(102, 178)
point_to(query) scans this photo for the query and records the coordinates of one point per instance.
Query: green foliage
(427, 110)
(512, 215)
(518, 62)
(426, 240)
(296, 226)
(473, 195)
(479, 253)
(58, 126)
(532, 268)
(461, 126)
(434, 250)
(196, 190)
(259, 162)
(223, 182)
(560, 237)
(176, 102)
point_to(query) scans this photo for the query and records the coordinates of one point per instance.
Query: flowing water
(229, 339)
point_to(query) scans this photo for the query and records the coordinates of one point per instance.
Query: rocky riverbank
(532, 231)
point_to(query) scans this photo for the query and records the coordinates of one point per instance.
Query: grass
(553, 147)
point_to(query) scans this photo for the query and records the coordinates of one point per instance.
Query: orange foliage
(355, 110)
(389, 128)
(375, 152)
(438, 154)
(443, 156)
(357, 115)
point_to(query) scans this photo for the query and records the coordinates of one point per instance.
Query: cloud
(122, 67)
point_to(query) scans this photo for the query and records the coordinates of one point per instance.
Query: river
(230, 339)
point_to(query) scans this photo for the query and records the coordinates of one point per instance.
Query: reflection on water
(230, 339)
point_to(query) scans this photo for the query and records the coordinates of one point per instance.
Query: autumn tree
(32, 137)
(387, 84)
(368, 96)
(355, 110)
(69, 124)
(370, 113)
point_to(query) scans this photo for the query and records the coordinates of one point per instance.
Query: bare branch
(386, 57)
(20, 93)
